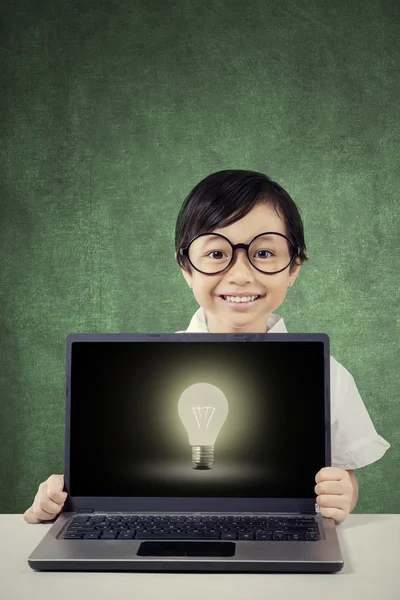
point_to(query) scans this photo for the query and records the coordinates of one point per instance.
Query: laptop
(194, 452)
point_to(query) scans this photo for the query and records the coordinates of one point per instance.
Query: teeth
(238, 299)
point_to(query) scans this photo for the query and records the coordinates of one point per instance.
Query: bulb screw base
(202, 457)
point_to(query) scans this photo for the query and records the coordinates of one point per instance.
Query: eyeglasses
(212, 253)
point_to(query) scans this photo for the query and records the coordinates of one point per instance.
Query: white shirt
(355, 442)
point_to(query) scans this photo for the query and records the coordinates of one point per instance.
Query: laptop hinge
(85, 510)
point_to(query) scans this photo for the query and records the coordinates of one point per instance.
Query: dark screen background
(127, 438)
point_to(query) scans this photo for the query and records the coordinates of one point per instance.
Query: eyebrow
(208, 241)
(265, 236)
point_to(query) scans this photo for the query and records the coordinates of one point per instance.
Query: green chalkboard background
(113, 110)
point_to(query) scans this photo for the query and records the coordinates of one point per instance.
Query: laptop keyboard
(185, 527)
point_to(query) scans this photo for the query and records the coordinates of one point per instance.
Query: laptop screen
(210, 419)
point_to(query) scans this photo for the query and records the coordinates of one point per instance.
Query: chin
(239, 321)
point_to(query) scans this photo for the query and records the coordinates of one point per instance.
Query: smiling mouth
(251, 298)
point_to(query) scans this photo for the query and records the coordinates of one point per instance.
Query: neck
(215, 325)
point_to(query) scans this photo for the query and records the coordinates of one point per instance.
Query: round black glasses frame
(185, 252)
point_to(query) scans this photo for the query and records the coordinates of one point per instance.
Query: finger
(55, 486)
(44, 515)
(56, 496)
(29, 517)
(58, 480)
(334, 513)
(335, 501)
(55, 481)
(332, 487)
(330, 474)
(43, 503)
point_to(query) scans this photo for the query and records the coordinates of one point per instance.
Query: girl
(240, 245)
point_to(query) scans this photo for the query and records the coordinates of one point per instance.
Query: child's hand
(48, 501)
(335, 491)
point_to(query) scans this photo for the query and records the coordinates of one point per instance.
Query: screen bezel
(191, 504)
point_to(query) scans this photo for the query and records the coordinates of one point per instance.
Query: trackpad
(187, 549)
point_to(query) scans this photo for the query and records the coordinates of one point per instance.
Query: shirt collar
(198, 323)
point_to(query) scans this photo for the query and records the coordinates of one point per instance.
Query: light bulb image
(202, 409)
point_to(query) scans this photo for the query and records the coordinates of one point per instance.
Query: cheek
(203, 288)
(276, 285)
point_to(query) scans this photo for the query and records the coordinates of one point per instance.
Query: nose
(240, 270)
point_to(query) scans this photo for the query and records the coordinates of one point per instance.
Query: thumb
(55, 485)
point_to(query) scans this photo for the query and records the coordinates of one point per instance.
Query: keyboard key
(294, 531)
(264, 536)
(279, 537)
(228, 536)
(246, 536)
(109, 536)
(91, 536)
(72, 536)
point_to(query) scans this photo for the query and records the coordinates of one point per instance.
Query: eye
(260, 252)
(214, 252)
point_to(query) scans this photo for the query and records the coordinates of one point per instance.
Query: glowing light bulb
(202, 409)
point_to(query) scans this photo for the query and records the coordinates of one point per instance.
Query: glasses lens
(210, 253)
(270, 253)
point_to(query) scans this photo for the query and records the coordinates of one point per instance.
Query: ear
(294, 273)
(187, 276)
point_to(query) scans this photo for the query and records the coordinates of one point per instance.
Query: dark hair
(225, 197)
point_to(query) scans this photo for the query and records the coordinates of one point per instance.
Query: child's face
(241, 277)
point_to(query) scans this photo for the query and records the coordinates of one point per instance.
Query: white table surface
(370, 545)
